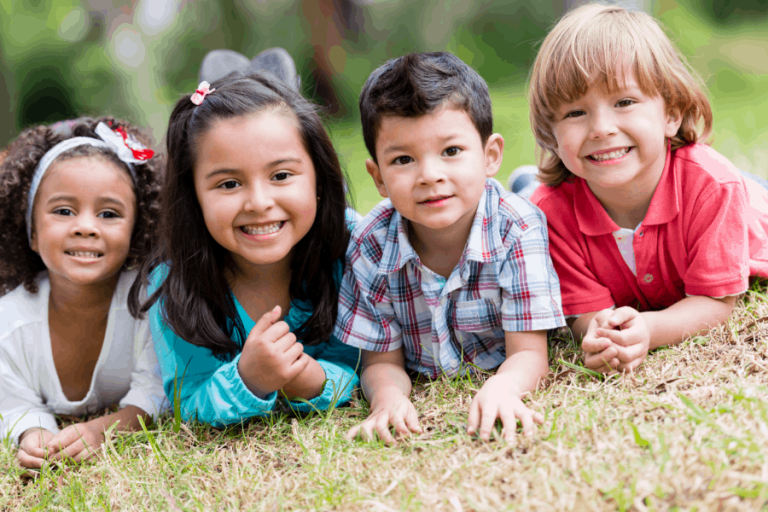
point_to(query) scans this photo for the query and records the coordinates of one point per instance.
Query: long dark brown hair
(195, 297)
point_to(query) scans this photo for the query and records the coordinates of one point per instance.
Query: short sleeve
(529, 285)
(580, 290)
(366, 316)
(717, 244)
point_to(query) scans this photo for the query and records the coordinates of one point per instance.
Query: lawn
(688, 431)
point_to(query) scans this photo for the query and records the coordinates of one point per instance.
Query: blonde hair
(598, 45)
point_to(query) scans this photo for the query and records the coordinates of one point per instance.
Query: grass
(688, 431)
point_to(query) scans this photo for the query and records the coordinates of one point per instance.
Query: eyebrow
(406, 147)
(73, 199)
(270, 165)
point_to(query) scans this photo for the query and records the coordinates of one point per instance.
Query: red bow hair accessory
(203, 90)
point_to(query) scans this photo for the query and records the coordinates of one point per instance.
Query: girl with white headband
(77, 212)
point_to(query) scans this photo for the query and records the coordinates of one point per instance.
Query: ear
(33, 241)
(494, 154)
(674, 120)
(373, 169)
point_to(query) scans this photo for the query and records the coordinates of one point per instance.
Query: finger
(602, 317)
(412, 420)
(526, 420)
(509, 422)
(266, 320)
(594, 361)
(298, 366)
(29, 461)
(294, 352)
(621, 316)
(631, 366)
(487, 420)
(366, 429)
(277, 331)
(400, 427)
(473, 421)
(63, 439)
(382, 429)
(594, 344)
(352, 433)
(624, 338)
(69, 452)
(630, 353)
(538, 418)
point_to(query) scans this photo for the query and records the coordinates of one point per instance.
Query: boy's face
(433, 169)
(616, 141)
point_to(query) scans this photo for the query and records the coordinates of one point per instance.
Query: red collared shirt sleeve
(717, 244)
(580, 289)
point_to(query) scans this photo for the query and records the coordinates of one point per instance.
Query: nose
(86, 226)
(431, 171)
(602, 124)
(259, 199)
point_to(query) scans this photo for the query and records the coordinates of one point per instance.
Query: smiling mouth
(435, 199)
(613, 155)
(84, 254)
(264, 229)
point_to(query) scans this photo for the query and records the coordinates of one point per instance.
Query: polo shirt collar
(483, 245)
(593, 220)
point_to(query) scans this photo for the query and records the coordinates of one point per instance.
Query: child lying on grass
(451, 270)
(653, 233)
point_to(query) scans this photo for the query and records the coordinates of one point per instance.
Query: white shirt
(126, 372)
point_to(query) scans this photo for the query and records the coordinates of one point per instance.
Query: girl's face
(255, 183)
(615, 141)
(83, 219)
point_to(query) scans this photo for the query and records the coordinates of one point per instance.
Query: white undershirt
(624, 238)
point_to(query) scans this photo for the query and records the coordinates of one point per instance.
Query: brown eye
(402, 160)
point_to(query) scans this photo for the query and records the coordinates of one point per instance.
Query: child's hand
(391, 407)
(31, 452)
(75, 443)
(499, 398)
(632, 341)
(600, 354)
(271, 356)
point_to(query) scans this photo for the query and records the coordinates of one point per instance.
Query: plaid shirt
(504, 282)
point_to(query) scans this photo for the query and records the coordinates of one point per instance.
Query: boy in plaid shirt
(451, 270)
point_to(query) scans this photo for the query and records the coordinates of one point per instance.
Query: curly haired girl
(77, 212)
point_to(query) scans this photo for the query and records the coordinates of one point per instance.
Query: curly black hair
(19, 264)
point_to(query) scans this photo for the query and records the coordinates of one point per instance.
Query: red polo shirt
(704, 234)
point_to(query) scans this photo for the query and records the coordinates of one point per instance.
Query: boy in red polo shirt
(652, 233)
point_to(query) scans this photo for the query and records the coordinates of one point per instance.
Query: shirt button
(648, 278)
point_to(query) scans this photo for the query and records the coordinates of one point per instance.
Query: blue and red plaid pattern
(504, 281)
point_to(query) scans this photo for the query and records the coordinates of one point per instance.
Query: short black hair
(418, 84)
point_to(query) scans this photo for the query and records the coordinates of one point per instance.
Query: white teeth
(263, 230)
(83, 254)
(610, 156)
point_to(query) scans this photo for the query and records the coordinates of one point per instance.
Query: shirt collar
(594, 220)
(483, 244)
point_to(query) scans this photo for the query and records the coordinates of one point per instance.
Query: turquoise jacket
(212, 390)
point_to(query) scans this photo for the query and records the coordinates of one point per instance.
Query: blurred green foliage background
(65, 58)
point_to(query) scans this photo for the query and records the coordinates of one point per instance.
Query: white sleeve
(21, 407)
(146, 391)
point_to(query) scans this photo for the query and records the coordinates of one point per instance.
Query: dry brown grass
(688, 431)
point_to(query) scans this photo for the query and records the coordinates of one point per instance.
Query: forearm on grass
(527, 360)
(689, 317)
(384, 370)
(127, 419)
